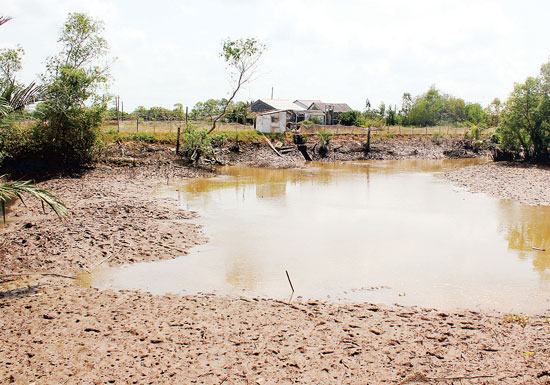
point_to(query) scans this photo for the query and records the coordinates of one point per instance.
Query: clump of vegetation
(351, 118)
(72, 112)
(197, 144)
(475, 132)
(219, 139)
(524, 127)
(437, 138)
(324, 142)
(141, 137)
(307, 123)
(516, 319)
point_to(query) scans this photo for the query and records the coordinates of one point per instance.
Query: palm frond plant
(5, 107)
(16, 189)
(324, 141)
(4, 19)
(19, 97)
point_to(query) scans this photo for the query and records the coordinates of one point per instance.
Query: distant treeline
(237, 112)
(432, 108)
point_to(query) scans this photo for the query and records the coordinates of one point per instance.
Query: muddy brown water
(374, 231)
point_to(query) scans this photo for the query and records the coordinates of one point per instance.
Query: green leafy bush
(218, 139)
(67, 135)
(141, 137)
(15, 140)
(351, 118)
(196, 144)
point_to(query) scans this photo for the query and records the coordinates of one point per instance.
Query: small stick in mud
(289, 281)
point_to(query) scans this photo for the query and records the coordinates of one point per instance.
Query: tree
(82, 46)
(14, 98)
(241, 56)
(493, 111)
(72, 109)
(406, 105)
(350, 118)
(525, 121)
(382, 110)
(9, 191)
(178, 111)
(474, 113)
(237, 112)
(391, 116)
(14, 95)
(10, 63)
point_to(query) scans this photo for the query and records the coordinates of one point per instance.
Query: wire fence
(167, 126)
(153, 127)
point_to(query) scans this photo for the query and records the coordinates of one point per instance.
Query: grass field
(165, 131)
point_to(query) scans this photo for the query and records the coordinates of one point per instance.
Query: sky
(168, 52)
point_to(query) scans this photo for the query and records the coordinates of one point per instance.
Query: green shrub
(307, 123)
(141, 137)
(15, 141)
(351, 118)
(314, 119)
(218, 139)
(68, 134)
(196, 144)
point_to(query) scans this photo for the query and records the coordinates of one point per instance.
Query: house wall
(274, 123)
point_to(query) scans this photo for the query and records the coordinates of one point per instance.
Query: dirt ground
(528, 184)
(53, 331)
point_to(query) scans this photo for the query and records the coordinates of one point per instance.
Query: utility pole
(271, 92)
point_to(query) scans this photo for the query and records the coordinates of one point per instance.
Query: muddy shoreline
(529, 184)
(258, 154)
(56, 332)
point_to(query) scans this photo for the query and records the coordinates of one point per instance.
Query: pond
(373, 231)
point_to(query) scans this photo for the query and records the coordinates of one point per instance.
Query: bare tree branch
(242, 57)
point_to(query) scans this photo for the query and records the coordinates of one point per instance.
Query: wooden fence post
(186, 117)
(178, 140)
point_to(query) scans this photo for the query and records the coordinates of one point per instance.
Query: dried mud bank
(399, 148)
(55, 332)
(58, 334)
(114, 218)
(259, 154)
(520, 182)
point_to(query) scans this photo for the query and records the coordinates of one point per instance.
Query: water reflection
(527, 230)
(343, 230)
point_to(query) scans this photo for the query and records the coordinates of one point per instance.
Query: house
(332, 110)
(265, 105)
(305, 103)
(302, 109)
